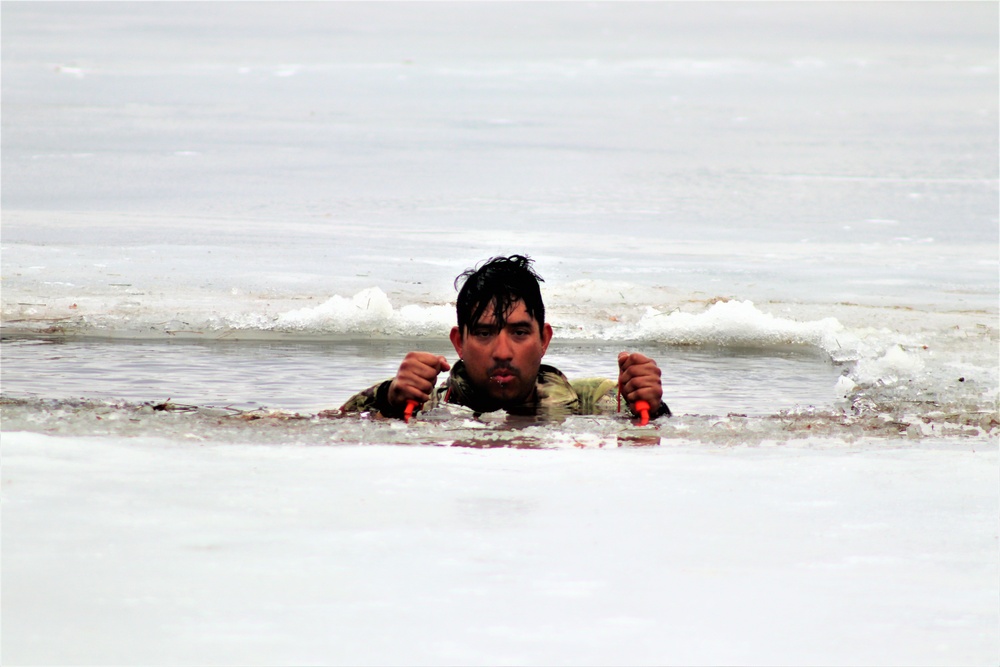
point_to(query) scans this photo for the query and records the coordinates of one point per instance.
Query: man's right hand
(416, 378)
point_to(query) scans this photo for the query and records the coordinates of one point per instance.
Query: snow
(152, 551)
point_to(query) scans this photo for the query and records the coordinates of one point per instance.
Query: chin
(506, 395)
(503, 395)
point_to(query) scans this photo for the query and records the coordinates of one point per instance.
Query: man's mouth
(503, 376)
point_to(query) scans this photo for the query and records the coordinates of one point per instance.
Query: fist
(416, 378)
(639, 379)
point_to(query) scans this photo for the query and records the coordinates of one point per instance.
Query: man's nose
(502, 349)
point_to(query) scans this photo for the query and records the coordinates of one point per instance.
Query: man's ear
(546, 337)
(456, 340)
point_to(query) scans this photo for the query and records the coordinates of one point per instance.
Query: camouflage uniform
(554, 394)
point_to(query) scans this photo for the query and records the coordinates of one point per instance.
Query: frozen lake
(254, 210)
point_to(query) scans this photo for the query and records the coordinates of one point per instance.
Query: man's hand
(416, 378)
(639, 379)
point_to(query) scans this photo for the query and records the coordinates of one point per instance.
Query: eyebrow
(527, 322)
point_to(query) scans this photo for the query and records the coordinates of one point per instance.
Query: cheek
(530, 355)
(476, 359)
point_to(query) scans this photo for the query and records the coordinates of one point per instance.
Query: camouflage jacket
(554, 394)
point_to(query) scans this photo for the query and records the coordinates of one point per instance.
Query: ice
(221, 219)
(895, 365)
(860, 414)
(367, 312)
(844, 386)
(738, 324)
(365, 309)
(163, 551)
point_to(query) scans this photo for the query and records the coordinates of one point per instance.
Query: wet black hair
(502, 282)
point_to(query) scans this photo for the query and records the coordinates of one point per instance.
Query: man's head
(501, 334)
(497, 285)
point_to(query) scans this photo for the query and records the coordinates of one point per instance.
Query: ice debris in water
(368, 306)
(369, 310)
(80, 417)
(739, 323)
(888, 369)
(845, 387)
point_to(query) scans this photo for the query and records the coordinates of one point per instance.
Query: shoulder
(555, 390)
(584, 396)
(597, 395)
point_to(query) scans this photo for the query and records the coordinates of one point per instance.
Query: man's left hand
(639, 380)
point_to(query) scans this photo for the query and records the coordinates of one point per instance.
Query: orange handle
(411, 405)
(642, 407)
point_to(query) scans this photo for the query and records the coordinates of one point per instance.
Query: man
(500, 339)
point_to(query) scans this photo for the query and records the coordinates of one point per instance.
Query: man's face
(503, 363)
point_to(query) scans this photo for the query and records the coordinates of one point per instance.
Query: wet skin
(503, 362)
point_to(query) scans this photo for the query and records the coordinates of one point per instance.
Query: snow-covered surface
(146, 551)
